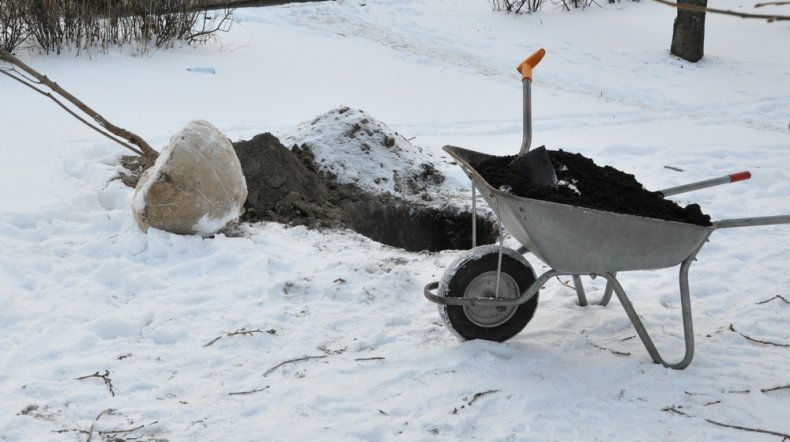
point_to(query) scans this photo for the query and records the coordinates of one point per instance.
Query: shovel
(535, 165)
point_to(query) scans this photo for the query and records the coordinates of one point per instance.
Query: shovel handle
(526, 66)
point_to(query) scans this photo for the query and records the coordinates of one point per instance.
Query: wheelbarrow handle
(747, 222)
(726, 179)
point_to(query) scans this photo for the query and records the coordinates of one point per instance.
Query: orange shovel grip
(526, 66)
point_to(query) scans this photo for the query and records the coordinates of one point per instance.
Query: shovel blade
(536, 166)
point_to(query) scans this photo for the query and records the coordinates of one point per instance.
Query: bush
(516, 6)
(53, 25)
(530, 6)
(12, 26)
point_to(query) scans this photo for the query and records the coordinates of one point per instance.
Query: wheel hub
(484, 286)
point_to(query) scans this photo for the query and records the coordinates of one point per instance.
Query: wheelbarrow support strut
(685, 304)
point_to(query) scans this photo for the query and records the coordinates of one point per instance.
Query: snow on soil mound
(356, 148)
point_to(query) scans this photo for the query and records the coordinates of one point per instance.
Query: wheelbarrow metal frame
(613, 286)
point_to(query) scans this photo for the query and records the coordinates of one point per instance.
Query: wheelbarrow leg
(607, 294)
(577, 284)
(685, 302)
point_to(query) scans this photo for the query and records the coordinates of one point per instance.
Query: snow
(356, 148)
(327, 333)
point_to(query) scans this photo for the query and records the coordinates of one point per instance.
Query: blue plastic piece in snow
(200, 70)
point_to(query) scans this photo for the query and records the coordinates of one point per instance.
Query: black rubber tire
(470, 268)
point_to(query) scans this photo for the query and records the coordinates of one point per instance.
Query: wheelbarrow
(491, 292)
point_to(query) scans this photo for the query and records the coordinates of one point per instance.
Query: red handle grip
(740, 176)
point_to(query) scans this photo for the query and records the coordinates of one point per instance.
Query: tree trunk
(33, 79)
(688, 36)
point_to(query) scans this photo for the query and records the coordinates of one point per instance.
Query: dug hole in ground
(291, 333)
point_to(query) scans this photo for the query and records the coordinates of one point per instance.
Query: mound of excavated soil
(286, 186)
(353, 147)
(583, 183)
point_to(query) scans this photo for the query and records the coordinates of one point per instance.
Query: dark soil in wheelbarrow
(583, 183)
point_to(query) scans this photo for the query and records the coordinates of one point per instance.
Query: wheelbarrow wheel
(474, 275)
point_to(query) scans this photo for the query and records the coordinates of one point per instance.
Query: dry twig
(242, 331)
(291, 361)
(674, 409)
(760, 5)
(93, 424)
(781, 387)
(105, 377)
(240, 393)
(758, 341)
(753, 430)
(614, 352)
(779, 297)
(114, 433)
(211, 342)
(566, 283)
(481, 394)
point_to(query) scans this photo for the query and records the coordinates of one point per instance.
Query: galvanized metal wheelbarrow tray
(575, 241)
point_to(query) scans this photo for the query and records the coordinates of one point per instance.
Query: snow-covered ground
(291, 334)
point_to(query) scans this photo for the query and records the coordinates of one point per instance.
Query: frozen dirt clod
(286, 186)
(582, 183)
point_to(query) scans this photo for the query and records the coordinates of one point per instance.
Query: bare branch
(23, 80)
(105, 377)
(130, 430)
(242, 331)
(144, 147)
(758, 341)
(782, 387)
(211, 342)
(93, 424)
(696, 8)
(481, 394)
(673, 409)
(753, 430)
(614, 352)
(779, 297)
(760, 5)
(239, 393)
(291, 361)
(565, 283)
